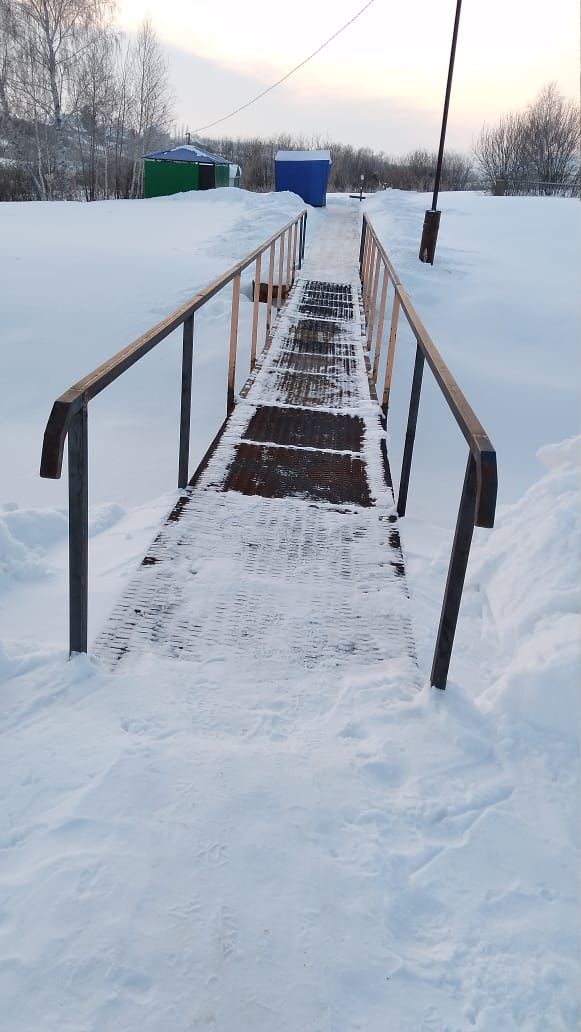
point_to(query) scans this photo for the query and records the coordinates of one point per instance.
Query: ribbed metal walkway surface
(284, 554)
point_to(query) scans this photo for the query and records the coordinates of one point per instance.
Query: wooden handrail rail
(478, 500)
(69, 416)
(69, 403)
(478, 441)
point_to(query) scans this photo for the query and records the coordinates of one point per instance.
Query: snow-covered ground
(179, 853)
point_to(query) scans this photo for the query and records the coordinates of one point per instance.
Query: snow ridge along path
(284, 557)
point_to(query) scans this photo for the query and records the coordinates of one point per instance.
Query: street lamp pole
(432, 217)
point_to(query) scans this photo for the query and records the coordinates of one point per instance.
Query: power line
(288, 74)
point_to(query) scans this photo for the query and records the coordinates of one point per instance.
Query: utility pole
(432, 216)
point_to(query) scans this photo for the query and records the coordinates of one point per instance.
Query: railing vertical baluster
(390, 351)
(269, 291)
(300, 242)
(303, 239)
(380, 321)
(373, 299)
(410, 433)
(255, 309)
(362, 245)
(295, 239)
(78, 531)
(364, 264)
(186, 401)
(233, 342)
(280, 287)
(368, 261)
(288, 261)
(455, 578)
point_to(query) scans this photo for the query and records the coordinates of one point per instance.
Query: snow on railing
(69, 415)
(478, 501)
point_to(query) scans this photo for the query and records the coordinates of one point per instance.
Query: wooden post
(287, 281)
(280, 272)
(380, 322)
(255, 310)
(233, 343)
(373, 299)
(390, 352)
(269, 292)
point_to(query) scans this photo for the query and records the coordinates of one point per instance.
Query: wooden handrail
(471, 427)
(478, 500)
(84, 390)
(69, 415)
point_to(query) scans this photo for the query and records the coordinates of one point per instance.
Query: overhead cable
(288, 74)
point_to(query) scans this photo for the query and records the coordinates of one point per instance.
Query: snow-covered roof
(303, 155)
(187, 152)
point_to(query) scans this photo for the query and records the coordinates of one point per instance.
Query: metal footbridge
(283, 550)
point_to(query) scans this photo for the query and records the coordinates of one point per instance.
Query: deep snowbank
(528, 570)
(501, 304)
(178, 852)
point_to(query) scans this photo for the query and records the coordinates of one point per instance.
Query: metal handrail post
(410, 432)
(362, 245)
(455, 579)
(186, 402)
(304, 238)
(78, 475)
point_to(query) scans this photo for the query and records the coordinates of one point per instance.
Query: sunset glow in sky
(380, 83)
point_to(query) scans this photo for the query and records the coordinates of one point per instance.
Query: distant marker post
(432, 216)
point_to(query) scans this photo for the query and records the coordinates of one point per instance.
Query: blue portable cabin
(305, 173)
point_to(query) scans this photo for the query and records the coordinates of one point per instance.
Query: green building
(183, 168)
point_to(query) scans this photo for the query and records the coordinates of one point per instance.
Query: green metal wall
(222, 175)
(161, 178)
(168, 177)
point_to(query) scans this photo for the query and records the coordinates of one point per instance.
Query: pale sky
(381, 83)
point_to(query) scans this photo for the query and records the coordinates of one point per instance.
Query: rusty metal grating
(292, 388)
(326, 300)
(306, 428)
(315, 330)
(278, 554)
(291, 566)
(310, 346)
(339, 290)
(335, 477)
(343, 365)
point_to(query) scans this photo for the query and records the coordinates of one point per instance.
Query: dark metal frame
(69, 415)
(478, 500)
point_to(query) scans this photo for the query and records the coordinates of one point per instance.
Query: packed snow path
(284, 555)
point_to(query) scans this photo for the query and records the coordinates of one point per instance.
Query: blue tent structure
(305, 173)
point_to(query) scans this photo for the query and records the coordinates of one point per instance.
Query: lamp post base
(429, 236)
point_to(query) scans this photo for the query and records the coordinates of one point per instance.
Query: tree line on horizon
(80, 105)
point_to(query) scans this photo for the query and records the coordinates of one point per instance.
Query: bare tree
(95, 101)
(150, 103)
(551, 143)
(534, 151)
(49, 38)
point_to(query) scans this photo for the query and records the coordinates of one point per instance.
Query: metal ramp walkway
(283, 554)
(283, 551)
